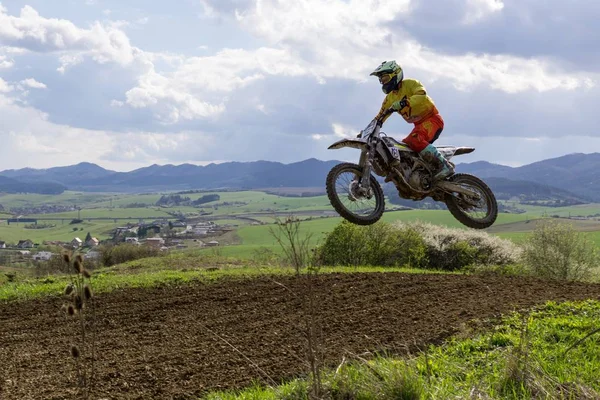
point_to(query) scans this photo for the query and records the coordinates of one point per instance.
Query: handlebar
(387, 112)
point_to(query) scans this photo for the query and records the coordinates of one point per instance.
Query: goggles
(383, 79)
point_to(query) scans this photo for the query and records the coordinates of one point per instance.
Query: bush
(111, 255)
(556, 251)
(377, 244)
(414, 245)
(56, 265)
(452, 249)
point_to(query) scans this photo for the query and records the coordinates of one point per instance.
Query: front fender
(353, 143)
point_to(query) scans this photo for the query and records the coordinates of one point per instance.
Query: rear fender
(352, 143)
(450, 151)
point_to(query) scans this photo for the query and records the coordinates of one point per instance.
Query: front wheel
(350, 200)
(478, 211)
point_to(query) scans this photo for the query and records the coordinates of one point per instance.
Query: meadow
(514, 227)
(258, 206)
(61, 231)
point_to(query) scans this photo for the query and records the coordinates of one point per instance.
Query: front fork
(365, 180)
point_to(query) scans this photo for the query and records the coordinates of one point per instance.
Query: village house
(132, 240)
(93, 242)
(121, 230)
(25, 244)
(212, 243)
(2, 245)
(75, 243)
(43, 256)
(155, 242)
(200, 231)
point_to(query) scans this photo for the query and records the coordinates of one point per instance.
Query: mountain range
(574, 176)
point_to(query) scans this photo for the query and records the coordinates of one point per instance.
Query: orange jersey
(420, 105)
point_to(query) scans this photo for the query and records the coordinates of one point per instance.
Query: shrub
(111, 255)
(377, 244)
(556, 251)
(56, 265)
(415, 245)
(452, 249)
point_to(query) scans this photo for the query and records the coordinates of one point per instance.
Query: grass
(255, 199)
(108, 213)
(521, 357)
(255, 238)
(68, 197)
(582, 210)
(64, 232)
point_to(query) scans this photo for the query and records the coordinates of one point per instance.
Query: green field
(63, 232)
(571, 211)
(69, 197)
(258, 205)
(108, 213)
(256, 237)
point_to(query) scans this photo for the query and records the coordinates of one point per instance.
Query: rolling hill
(574, 176)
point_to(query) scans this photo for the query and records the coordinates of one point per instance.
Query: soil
(179, 342)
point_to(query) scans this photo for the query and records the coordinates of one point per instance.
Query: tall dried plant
(82, 311)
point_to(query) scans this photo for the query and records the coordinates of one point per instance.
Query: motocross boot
(433, 156)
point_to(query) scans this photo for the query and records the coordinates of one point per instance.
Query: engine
(419, 179)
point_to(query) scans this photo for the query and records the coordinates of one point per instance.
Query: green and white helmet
(390, 74)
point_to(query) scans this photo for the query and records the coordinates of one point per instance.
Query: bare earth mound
(162, 343)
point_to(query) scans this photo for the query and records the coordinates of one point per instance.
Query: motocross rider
(409, 98)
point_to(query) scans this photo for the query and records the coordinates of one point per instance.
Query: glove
(400, 104)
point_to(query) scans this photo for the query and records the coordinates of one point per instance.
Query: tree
(88, 237)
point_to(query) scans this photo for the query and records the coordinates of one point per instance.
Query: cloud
(552, 29)
(501, 72)
(359, 29)
(305, 41)
(5, 63)
(29, 139)
(199, 85)
(32, 83)
(342, 131)
(27, 131)
(4, 86)
(33, 144)
(479, 9)
(32, 32)
(136, 147)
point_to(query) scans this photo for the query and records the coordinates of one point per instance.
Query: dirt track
(161, 343)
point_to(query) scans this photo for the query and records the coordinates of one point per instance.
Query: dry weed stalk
(296, 248)
(80, 294)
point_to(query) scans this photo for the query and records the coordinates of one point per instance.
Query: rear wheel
(478, 211)
(350, 200)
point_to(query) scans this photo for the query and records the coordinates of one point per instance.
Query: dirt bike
(358, 197)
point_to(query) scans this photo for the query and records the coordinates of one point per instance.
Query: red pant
(424, 132)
